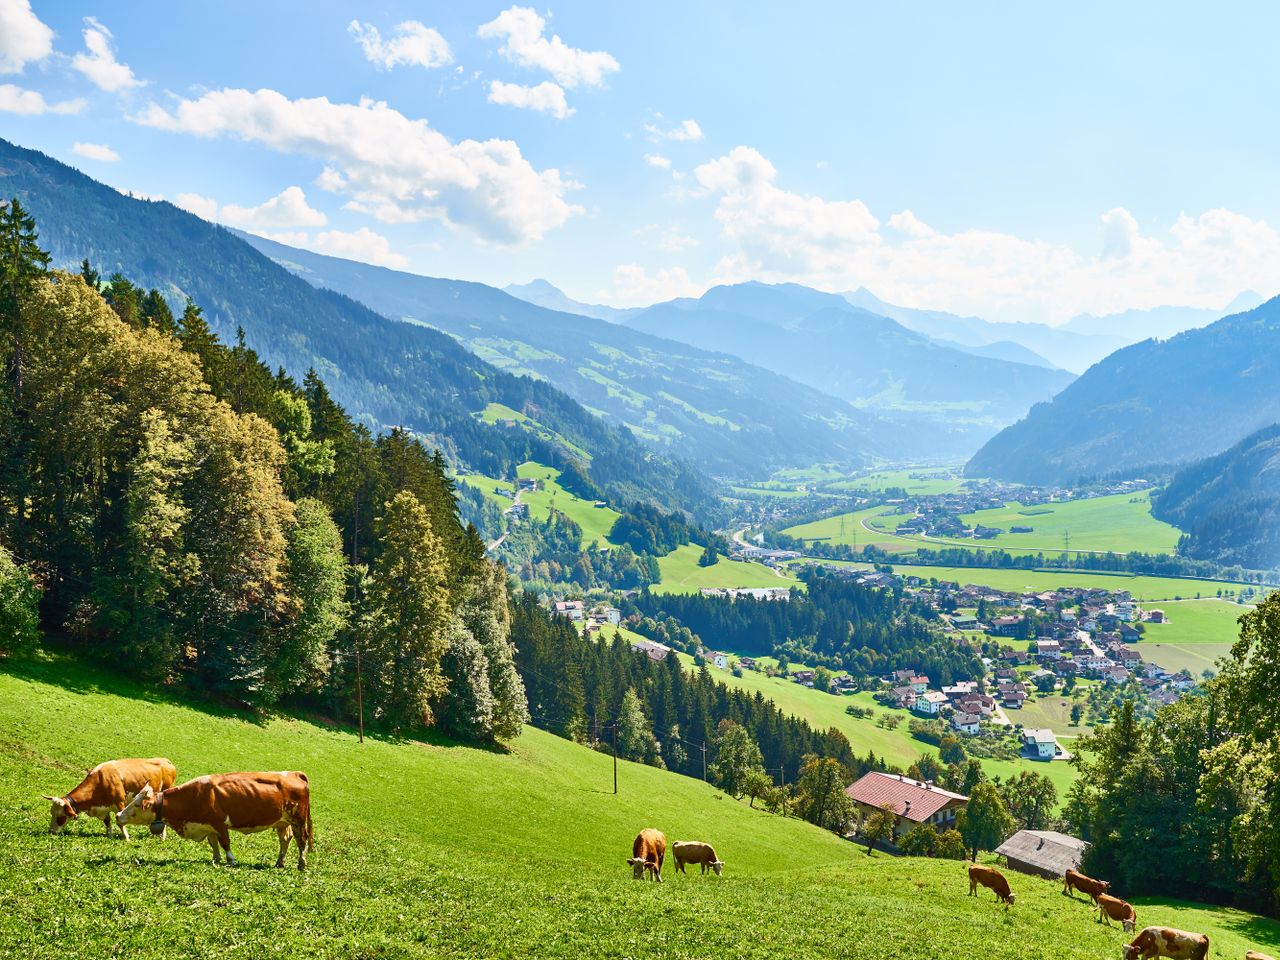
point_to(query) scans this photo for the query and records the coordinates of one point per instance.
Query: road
(502, 539)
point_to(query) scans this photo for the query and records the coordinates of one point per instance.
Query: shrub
(19, 600)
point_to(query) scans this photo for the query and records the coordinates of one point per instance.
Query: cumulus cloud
(685, 130)
(204, 207)
(411, 44)
(363, 245)
(777, 234)
(23, 37)
(521, 31)
(546, 97)
(633, 285)
(289, 208)
(392, 167)
(14, 99)
(95, 151)
(657, 160)
(99, 63)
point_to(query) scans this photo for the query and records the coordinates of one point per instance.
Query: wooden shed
(1043, 853)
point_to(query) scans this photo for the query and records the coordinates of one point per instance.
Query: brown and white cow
(107, 789)
(1167, 942)
(1113, 908)
(1255, 955)
(647, 853)
(1075, 880)
(209, 808)
(695, 851)
(992, 878)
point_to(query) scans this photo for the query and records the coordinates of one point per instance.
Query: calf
(695, 851)
(1113, 908)
(1075, 880)
(1167, 942)
(647, 853)
(990, 877)
(107, 789)
(1255, 955)
(208, 808)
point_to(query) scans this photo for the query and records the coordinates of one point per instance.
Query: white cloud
(673, 241)
(397, 169)
(657, 160)
(95, 151)
(23, 37)
(521, 31)
(29, 103)
(776, 234)
(287, 209)
(635, 286)
(685, 130)
(99, 64)
(204, 207)
(363, 245)
(411, 44)
(546, 97)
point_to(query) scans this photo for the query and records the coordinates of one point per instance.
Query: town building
(910, 801)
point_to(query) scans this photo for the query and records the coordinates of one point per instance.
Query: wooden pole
(615, 758)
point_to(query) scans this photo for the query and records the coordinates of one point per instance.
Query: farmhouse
(654, 651)
(910, 801)
(931, 703)
(1043, 853)
(966, 723)
(1041, 744)
(569, 608)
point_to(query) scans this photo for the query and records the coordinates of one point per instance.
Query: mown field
(681, 573)
(1198, 633)
(854, 530)
(1120, 523)
(596, 522)
(438, 850)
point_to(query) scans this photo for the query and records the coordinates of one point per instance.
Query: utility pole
(359, 693)
(615, 759)
(704, 763)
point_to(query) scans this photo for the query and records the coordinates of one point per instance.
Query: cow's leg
(224, 838)
(107, 823)
(302, 849)
(283, 833)
(217, 854)
(124, 830)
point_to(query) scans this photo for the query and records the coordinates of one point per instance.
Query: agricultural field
(1118, 523)
(681, 573)
(596, 522)
(1197, 634)
(434, 849)
(855, 530)
(917, 481)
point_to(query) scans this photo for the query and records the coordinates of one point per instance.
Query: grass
(852, 529)
(437, 850)
(596, 522)
(917, 481)
(1197, 634)
(495, 412)
(681, 573)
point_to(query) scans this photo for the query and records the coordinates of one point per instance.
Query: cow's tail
(311, 834)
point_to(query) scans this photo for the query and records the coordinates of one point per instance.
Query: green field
(495, 412)
(433, 850)
(1197, 634)
(487, 486)
(596, 522)
(917, 481)
(853, 529)
(681, 573)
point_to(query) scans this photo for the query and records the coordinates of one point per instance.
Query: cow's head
(140, 810)
(1010, 898)
(1131, 951)
(1129, 923)
(717, 866)
(637, 867)
(60, 812)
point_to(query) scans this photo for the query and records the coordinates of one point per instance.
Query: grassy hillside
(427, 850)
(855, 530)
(596, 522)
(681, 573)
(1122, 522)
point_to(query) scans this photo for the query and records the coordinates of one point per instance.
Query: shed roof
(1046, 849)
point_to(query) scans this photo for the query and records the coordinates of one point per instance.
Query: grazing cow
(695, 851)
(990, 877)
(1113, 908)
(208, 808)
(647, 853)
(1075, 880)
(1255, 955)
(107, 789)
(1167, 942)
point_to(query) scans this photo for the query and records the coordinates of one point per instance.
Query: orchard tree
(984, 822)
(737, 756)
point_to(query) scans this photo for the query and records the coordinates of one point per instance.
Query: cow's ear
(45, 796)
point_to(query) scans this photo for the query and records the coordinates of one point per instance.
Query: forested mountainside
(385, 373)
(1152, 404)
(869, 360)
(1229, 504)
(731, 417)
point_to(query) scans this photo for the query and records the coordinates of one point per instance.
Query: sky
(1015, 161)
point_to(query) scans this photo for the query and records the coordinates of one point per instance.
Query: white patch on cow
(198, 831)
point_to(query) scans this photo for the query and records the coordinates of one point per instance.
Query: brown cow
(1255, 955)
(107, 789)
(208, 808)
(1113, 908)
(990, 877)
(695, 851)
(1167, 942)
(1075, 880)
(647, 853)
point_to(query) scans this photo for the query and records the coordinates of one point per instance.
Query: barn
(1043, 853)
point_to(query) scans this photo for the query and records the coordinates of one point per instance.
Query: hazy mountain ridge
(1152, 404)
(544, 294)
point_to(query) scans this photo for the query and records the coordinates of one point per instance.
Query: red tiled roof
(906, 797)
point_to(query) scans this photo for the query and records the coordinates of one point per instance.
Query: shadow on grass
(62, 670)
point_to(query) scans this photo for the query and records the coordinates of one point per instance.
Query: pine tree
(487, 615)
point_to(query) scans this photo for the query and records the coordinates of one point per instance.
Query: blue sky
(1020, 161)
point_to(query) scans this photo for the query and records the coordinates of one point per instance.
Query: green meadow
(855, 529)
(431, 849)
(596, 522)
(1118, 523)
(681, 573)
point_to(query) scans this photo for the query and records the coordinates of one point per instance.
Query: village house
(1040, 744)
(1048, 649)
(654, 651)
(719, 658)
(964, 621)
(903, 697)
(966, 723)
(573, 609)
(931, 703)
(803, 677)
(918, 683)
(1131, 658)
(910, 801)
(747, 663)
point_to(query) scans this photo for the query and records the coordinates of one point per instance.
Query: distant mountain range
(1152, 405)
(384, 372)
(865, 358)
(544, 294)
(1229, 504)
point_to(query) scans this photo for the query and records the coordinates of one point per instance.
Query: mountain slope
(1152, 404)
(870, 360)
(382, 371)
(544, 294)
(1229, 504)
(731, 417)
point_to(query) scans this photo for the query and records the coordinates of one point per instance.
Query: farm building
(1043, 853)
(910, 801)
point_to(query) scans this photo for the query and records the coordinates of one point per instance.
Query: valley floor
(434, 849)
